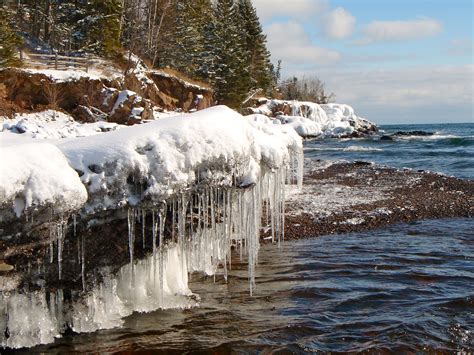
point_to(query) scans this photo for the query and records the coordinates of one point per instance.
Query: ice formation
(201, 183)
(309, 119)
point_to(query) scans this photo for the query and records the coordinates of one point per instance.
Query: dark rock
(412, 133)
(362, 163)
(386, 138)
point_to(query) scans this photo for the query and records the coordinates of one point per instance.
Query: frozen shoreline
(349, 197)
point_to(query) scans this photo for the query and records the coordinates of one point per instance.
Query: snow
(51, 124)
(61, 76)
(168, 155)
(303, 126)
(33, 175)
(171, 154)
(215, 164)
(310, 119)
(122, 97)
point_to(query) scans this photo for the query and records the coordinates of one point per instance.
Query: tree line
(220, 41)
(217, 41)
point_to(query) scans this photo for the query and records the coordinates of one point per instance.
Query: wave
(351, 148)
(461, 141)
(355, 148)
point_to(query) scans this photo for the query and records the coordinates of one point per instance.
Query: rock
(4, 267)
(130, 108)
(412, 133)
(84, 114)
(177, 92)
(79, 96)
(386, 138)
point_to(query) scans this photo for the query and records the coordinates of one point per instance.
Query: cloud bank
(389, 31)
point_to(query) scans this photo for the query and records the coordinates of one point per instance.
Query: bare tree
(52, 94)
(306, 89)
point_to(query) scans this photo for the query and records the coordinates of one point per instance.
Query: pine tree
(102, 27)
(258, 56)
(191, 21)
(9, 41)
(231, 71)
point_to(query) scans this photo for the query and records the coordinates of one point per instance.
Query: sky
(394, 61)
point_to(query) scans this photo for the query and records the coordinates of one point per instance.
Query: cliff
(98, 95)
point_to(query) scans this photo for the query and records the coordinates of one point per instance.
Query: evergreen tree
(231, 71)
(9, 41)
(102, 26)
(258, 56)
(191, 21)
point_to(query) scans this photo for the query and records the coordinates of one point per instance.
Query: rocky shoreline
(350, 197)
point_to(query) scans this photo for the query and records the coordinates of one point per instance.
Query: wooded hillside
(220, 41)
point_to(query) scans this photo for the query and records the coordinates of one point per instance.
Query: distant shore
(352, 197)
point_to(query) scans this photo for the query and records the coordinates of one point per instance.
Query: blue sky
(394, 61)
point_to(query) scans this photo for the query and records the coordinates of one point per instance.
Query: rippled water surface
(405, 287)
(450, 150)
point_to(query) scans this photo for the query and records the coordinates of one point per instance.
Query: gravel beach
(351, 197)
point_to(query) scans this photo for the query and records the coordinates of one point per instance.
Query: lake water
(450, 150)
(406, 287)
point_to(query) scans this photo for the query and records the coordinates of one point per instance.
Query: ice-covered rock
(121, 217)
(311, 120)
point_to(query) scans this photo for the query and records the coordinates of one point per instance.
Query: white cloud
(421, 92)
(383, 31)
(267, 9)
(339, 24)
(289, 42)
(460, 47)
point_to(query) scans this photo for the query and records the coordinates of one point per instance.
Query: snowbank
(133, 165)
(33, 175)
(309, 119)
(51, 124)
(62, 76)
(162, 158)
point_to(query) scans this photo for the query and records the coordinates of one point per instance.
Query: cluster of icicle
(206, 225)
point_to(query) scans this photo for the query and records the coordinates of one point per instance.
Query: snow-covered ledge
(118, 219)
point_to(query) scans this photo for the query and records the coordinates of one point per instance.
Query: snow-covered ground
(51, 124)
(309, 119)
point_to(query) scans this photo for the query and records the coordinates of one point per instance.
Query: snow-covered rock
(313, 120)
(51, 124)
(148, 162)
(154, 161)
(191, 186)
(38, 175)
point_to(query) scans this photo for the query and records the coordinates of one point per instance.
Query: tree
(232, 76)
(191, 20)
(102, 27)
(9, 41)
(255, 46)
(307, 89)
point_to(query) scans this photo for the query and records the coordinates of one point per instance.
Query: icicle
(83, 263)
(51, 251)
(60, 241)
(131, 233)
(74, 223)
(154, 230)
(143, 228)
